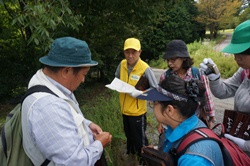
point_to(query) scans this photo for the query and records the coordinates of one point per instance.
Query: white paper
(120, 86)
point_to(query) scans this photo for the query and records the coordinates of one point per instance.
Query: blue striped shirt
(56, 134)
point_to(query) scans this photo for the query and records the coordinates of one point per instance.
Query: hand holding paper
(123, 87)
(120, 86)
(136, 93)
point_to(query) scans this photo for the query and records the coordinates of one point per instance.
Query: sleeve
(117, 72)
(188, 159)
(209, 105)
(247, 145)
(223, 89)
(149, 74)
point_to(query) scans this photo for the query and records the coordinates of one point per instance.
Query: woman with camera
(237, 86)
(180, 64)
(175, 102)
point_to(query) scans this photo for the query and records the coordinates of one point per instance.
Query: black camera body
(211, 68)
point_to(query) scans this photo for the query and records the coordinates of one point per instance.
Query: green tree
(245, 15)
(215, 13)
(175, 20)
(27, 29)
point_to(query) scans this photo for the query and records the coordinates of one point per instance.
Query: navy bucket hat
(68, 52)
(176, 48)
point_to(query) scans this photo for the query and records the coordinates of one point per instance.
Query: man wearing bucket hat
(237, 86)
(54, 127)
(131, 70)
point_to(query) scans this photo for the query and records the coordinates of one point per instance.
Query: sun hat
(240, 39)
(68, 52)
(175, 88)
(171, 88)
(132, 43)
(176, 48)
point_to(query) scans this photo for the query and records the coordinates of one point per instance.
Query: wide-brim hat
(240, 39)
(68, 52)
(132, 43)
(176, 48)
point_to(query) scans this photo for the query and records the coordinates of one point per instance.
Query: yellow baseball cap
(132, 43)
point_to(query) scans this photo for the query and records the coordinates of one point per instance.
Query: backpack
(232, 154)
(154, 157)
(195, 72)
(11, 146)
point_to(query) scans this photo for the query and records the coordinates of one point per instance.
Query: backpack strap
(168, 72)
(196, 72)
(37, 88)
(196, 135)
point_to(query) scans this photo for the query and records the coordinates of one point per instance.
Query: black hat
(176, 48)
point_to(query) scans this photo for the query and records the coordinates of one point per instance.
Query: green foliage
(198, 51)
(245, 15)
(38, 21)
(23, 27)
(27, 29)
(173, 21)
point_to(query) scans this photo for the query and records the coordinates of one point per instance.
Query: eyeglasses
(172, 60)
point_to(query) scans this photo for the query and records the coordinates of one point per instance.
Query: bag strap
(168, 72)
(196, 135)
(37, 88)
(196, 72)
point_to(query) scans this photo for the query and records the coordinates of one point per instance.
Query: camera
(211, 68)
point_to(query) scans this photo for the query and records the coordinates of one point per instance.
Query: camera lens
(209, 70)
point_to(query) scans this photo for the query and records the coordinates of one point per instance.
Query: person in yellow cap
(237, 86)
(131, 70)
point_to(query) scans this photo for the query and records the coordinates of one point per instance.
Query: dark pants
(135, 127)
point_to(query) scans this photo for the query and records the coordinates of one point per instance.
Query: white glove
(136, 93)
(240, 142)
(203, 67)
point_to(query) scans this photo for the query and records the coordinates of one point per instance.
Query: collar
(64, 90)
(247, 73)
(182, 129)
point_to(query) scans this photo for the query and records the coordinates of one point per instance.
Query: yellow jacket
(131, 106)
